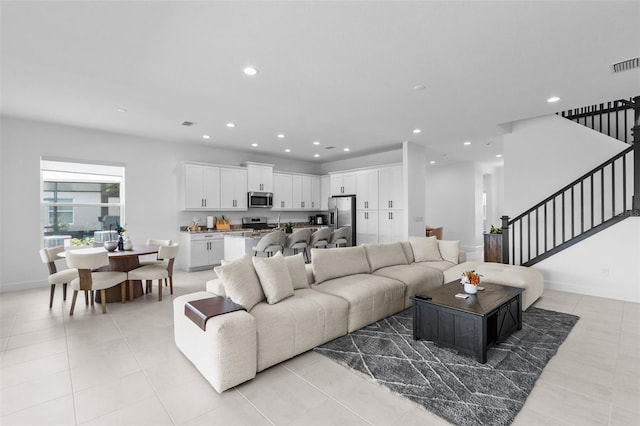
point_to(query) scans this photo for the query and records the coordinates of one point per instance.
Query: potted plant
(288, 227)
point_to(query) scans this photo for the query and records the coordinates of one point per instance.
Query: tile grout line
(328, 395)
(254, 406)
(73, 394)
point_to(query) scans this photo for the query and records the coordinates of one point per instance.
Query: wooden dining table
(123, 261)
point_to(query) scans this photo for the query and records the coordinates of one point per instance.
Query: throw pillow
(297, 271)
(425, 249)
(449, 250)
(383, 255)
(339, 262)
(241, 283)
(274, 277)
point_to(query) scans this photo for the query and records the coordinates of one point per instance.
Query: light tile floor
(124, 369)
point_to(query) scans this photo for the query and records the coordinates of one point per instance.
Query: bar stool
(299, 240)
(340, 237)
(270, 244)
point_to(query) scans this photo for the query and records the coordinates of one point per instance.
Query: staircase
(595, 201)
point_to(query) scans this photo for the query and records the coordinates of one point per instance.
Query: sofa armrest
(216, 287)
(226, 353)
(462, 257)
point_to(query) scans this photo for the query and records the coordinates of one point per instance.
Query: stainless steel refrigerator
(342, 212)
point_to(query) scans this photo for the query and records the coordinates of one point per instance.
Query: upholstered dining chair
(299, 240)
(340, 237)
(156, 261)
(271, 243)
(65, 276)
(163, 270)
(86, 261)
(320, 238)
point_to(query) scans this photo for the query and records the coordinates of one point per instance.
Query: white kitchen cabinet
(390, 193)
(315, 192)
(301, 192)
(366, 227)
(201, 251)
(325, 192)
(367, 190)
(343, 184)
(233, 189)
(391, 226)
(282, 191)
(201, 187)
(260, 177)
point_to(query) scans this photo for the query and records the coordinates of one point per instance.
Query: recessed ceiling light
(553, 99)
(287, 150)
(498, 155)
(316, 155)
(254, 144)
(346, 149)
(316, 143)
(231, 125)
(419, 87)
(206, 137)
(416, 131)
(250, 71)
(467, 143)
(280, 136)
(432, 162)
(121, 110)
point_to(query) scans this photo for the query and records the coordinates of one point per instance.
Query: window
(80, 201)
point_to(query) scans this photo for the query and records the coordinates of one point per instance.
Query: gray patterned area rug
(448, 383)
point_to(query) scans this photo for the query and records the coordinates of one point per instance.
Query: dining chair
(65, 276)
(271, 243)
(163, 270)
(154, 261)
(340, 237)
(299, 240)
(94, 281)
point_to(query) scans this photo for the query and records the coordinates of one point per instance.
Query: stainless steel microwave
(261, 199)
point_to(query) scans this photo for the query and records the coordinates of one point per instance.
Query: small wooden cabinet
(493, 248)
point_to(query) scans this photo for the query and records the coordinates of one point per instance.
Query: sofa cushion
(417, 279)
(297, 271)
(274, 277)
(216, 286)
(408, 251)
(371, 297)
(425, 249)
(441, 265)
(297, 324)
(241, 283)
(338, 262)
(449, 250)
(383, 255)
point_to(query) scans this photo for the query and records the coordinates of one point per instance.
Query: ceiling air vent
(188, 123)
(329, 147)
(627, 65)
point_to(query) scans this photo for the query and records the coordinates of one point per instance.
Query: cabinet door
(233, 189)
(349, 183)
(211, 185)
(336, 185)
(390, 226)
(216, 251)
(296, 192)
(240, 188)
(391, 188)
(193, 189)
(260, 178)
(325, 192)
(315, 192)
(282, 194)
(367, 227)
(305, 193)
(367, 190)
(199, 254)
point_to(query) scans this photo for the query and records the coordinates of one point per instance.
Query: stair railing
(614, 119)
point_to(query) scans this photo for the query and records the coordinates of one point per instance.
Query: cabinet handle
(313, 204)
(391, 202)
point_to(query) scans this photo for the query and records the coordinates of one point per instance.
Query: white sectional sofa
(293, 307)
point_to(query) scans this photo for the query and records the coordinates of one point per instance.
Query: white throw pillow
(383, 255)
(425, 249)
(297, 271)
(274, 277)
(241, 283)
(339, 262)
(449, 250)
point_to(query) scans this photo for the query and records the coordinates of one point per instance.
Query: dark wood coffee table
(469, 325)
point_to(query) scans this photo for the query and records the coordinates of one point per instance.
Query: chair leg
(103, 301)
(123, 291)
(130, 290)
(171, 284)
(73, 301)
(53, 289)
(64, 291)
(159, 290)
(86, 297)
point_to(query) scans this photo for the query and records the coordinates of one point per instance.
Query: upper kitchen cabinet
(233, 189)
(343, 184)
(283, 191)
(260, 178)
(367, 190)
(390, 188)
(325, 192)
(201, 187)
(315, 192)
(301, 192)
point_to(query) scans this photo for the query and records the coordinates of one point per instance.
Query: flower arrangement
(470, 277)
(120, 229)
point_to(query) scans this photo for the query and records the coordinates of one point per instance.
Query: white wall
(543, 154)
(151, 186)
(605, 265)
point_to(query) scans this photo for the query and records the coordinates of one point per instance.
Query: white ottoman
(529, 279)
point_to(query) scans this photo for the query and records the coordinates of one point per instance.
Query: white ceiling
(342, 73)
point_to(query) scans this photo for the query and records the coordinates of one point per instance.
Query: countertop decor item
(111, 245)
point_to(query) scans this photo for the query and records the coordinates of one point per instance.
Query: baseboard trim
(604, 292)
(25, 285)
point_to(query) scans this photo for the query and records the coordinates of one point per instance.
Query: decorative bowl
(110, 245)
